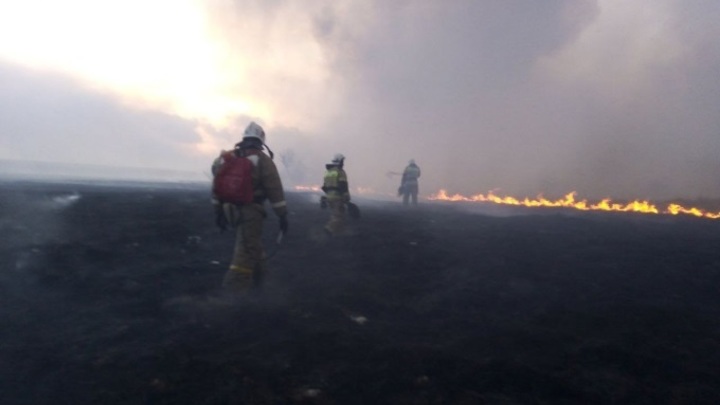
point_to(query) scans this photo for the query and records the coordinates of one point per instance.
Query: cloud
(47, 117)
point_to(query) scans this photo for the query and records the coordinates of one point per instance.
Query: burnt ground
(111, 295)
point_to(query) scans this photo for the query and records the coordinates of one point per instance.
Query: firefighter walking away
(243, 180)
(409, 184)
(337, 194)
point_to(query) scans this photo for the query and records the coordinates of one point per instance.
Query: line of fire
(569, 201)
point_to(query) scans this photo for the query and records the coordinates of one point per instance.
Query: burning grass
(570, 200)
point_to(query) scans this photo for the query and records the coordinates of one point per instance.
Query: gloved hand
(220, 219)
(283, 224)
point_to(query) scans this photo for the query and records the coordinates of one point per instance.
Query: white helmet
(254, 130)
(339, 158)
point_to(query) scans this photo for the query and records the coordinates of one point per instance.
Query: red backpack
(233, 181)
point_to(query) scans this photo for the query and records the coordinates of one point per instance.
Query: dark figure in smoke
(247, 269)
(409, 184)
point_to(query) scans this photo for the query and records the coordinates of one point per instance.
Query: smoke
(606, 98)
(30, 222)
(603, 98)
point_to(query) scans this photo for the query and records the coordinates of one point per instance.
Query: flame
(570, 201)
(365, 191)
(307, 188)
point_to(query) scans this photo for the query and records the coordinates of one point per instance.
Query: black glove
(220, 219)
(283, 224)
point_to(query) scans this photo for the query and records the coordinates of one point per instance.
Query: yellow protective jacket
(335, 183)
(265, 178)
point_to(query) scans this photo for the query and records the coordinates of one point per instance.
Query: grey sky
(51, 117)
(610, 99)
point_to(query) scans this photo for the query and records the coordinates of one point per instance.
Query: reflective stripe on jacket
(335, 183)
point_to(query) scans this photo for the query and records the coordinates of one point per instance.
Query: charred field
(110, 294)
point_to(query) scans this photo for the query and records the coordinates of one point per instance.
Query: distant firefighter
(243, 179)
(337, 193)
(409, 183)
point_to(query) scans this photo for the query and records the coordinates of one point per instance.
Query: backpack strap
(247, 153)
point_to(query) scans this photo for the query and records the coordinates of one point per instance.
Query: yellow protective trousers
(336, 224)
(246, 267)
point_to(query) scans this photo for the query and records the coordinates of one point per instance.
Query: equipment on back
(233, 181)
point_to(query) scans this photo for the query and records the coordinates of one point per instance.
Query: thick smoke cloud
(610, 99)
(445, 84)
(489, 95)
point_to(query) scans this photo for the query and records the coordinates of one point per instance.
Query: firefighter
(409, 184)
(247, 269)
(337, 194)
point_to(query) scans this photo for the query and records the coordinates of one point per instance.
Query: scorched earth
(110, 294)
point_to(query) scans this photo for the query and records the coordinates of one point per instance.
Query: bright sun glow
(155, 53)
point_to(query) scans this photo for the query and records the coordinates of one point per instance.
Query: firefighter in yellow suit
(247, 269)
(337, 192)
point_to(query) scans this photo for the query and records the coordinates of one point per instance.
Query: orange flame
(569, 201)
